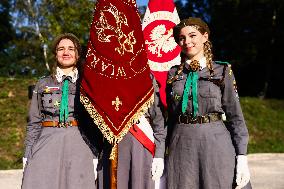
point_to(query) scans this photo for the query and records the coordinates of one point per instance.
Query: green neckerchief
(64, 103)
(191, 83)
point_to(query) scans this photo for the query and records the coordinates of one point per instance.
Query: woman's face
(66, 54)
(191, 42)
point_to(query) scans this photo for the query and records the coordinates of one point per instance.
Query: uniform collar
(73, 74)
(202, 62)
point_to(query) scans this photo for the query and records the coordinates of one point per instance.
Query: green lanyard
(64, 103)
(191, 82)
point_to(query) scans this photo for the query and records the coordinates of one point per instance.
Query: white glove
(24, 162)
(95, 163)
(243, 175)
(157, 168)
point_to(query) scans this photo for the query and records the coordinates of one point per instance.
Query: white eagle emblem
(162, 40)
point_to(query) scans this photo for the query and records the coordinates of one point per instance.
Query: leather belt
(72, 123)
(186, 119)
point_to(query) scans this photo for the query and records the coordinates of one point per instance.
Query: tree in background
(247, 33)
(6, 30)
(38, 22)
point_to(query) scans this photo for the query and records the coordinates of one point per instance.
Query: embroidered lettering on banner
(111, 69)
(126, 41)
(121, 72)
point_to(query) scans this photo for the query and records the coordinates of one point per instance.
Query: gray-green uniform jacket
(218, 95)
(202, 156)
(45, 106)
(58, 157)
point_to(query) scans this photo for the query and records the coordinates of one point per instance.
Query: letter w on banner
(162, 50)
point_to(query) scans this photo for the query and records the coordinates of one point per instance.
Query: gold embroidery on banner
(121, 72)
(131, 1)
(109, 68)
(162, 40)
(95, 60)
(104, 66)
(99, 121)
(126, 41)
(116, 103)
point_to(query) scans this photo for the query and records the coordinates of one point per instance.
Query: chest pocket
(208, 89)
(177, 88)
(51, 101)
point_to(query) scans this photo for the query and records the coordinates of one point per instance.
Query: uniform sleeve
(171, 74)
(169, 94)
(158, 123)
(170, 114)
(234, 116)
(34, 122)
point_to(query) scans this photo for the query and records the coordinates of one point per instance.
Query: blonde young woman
(56, 156)
(205, 152)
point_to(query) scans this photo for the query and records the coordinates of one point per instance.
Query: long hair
(78, 48)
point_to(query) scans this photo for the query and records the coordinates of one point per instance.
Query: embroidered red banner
(162, 50)
(116, 88)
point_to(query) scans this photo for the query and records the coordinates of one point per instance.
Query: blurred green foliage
(14, 105)
(265, 120)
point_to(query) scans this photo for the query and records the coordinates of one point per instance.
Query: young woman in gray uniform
(57, 156)
(205, 152)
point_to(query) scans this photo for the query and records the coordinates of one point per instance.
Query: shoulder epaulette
(221, 62)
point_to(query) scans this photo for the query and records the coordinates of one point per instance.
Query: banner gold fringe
(107, 133)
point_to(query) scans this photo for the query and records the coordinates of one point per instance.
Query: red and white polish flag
(162, 50)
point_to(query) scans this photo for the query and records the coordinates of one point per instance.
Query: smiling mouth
(189, 48)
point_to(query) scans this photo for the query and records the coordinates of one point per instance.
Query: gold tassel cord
(113, 168)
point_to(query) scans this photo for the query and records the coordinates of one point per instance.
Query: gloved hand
(95, 163)
(157, 168)
(243, 175)
(24, 162)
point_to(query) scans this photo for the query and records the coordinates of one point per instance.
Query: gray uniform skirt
(60, 160)
(201, 157)
(134, 166)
